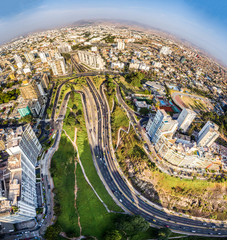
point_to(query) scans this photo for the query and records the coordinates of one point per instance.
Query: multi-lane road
(122, 191)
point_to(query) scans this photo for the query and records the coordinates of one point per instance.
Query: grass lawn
(119, 119)
(195, 104)
(94, 218)
(63, 172)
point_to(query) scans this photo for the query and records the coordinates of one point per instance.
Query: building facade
(93, 60)
(161, 124)
(185, 119)
(45, 81)
(208, 134)
(58, 66)
(18, 198)
(29, 57)
(120, 45)
(31, 90)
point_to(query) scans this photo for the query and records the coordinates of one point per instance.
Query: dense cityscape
(105, 124)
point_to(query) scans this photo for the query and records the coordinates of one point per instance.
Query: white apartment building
(18, 199)
(94, 49)
(64, 48)
(156, 64)
(18, 61)
(208, 134)
(93, 60)
(161, 124)
(117, 65)
(58, 66)
(165, 50)
(120, 45)
(29, 57)
(27, 69)
(143, 66)
(185, 119)
(185, 154)
(43, 57)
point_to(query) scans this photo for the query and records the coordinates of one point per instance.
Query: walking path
(119, 134)
(85, 176)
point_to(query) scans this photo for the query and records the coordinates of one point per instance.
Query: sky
(201, 22)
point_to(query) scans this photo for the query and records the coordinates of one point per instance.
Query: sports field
(193, 102)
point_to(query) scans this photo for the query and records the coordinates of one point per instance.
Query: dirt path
(83, 171)
(119, 134)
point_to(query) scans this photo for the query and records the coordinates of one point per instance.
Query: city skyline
(199, 22)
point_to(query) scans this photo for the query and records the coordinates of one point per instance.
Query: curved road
(124, 193)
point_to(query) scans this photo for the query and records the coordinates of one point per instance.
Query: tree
(67, 56)
(144, 111)
(52, 232)
(134, 78)
(131, 225)
(71, 119)
(113, 235)
(26, 119)
(74, 106)
(164, 233)
(72, 94)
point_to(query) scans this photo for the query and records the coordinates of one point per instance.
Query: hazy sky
(202, 22)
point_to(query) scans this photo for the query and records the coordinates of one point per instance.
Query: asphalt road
(126, 195)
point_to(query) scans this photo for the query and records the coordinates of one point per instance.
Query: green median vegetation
(110, 91)
(119, 119)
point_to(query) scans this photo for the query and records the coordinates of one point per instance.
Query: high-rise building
(120, 45)
(208, 134)
(29, 57)
(165, 50)
(43, 57)
(58, 66)
(31, 90)
(35, 107)
(18, 199)
(93, 60)
(45, 81)
(185, 119)
(161, 124)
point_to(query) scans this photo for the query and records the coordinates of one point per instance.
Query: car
(120, 200)
(193, 231)
(167, 226)
(154, 220)
(219, 233)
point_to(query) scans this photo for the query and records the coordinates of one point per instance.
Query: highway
(121, 189)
